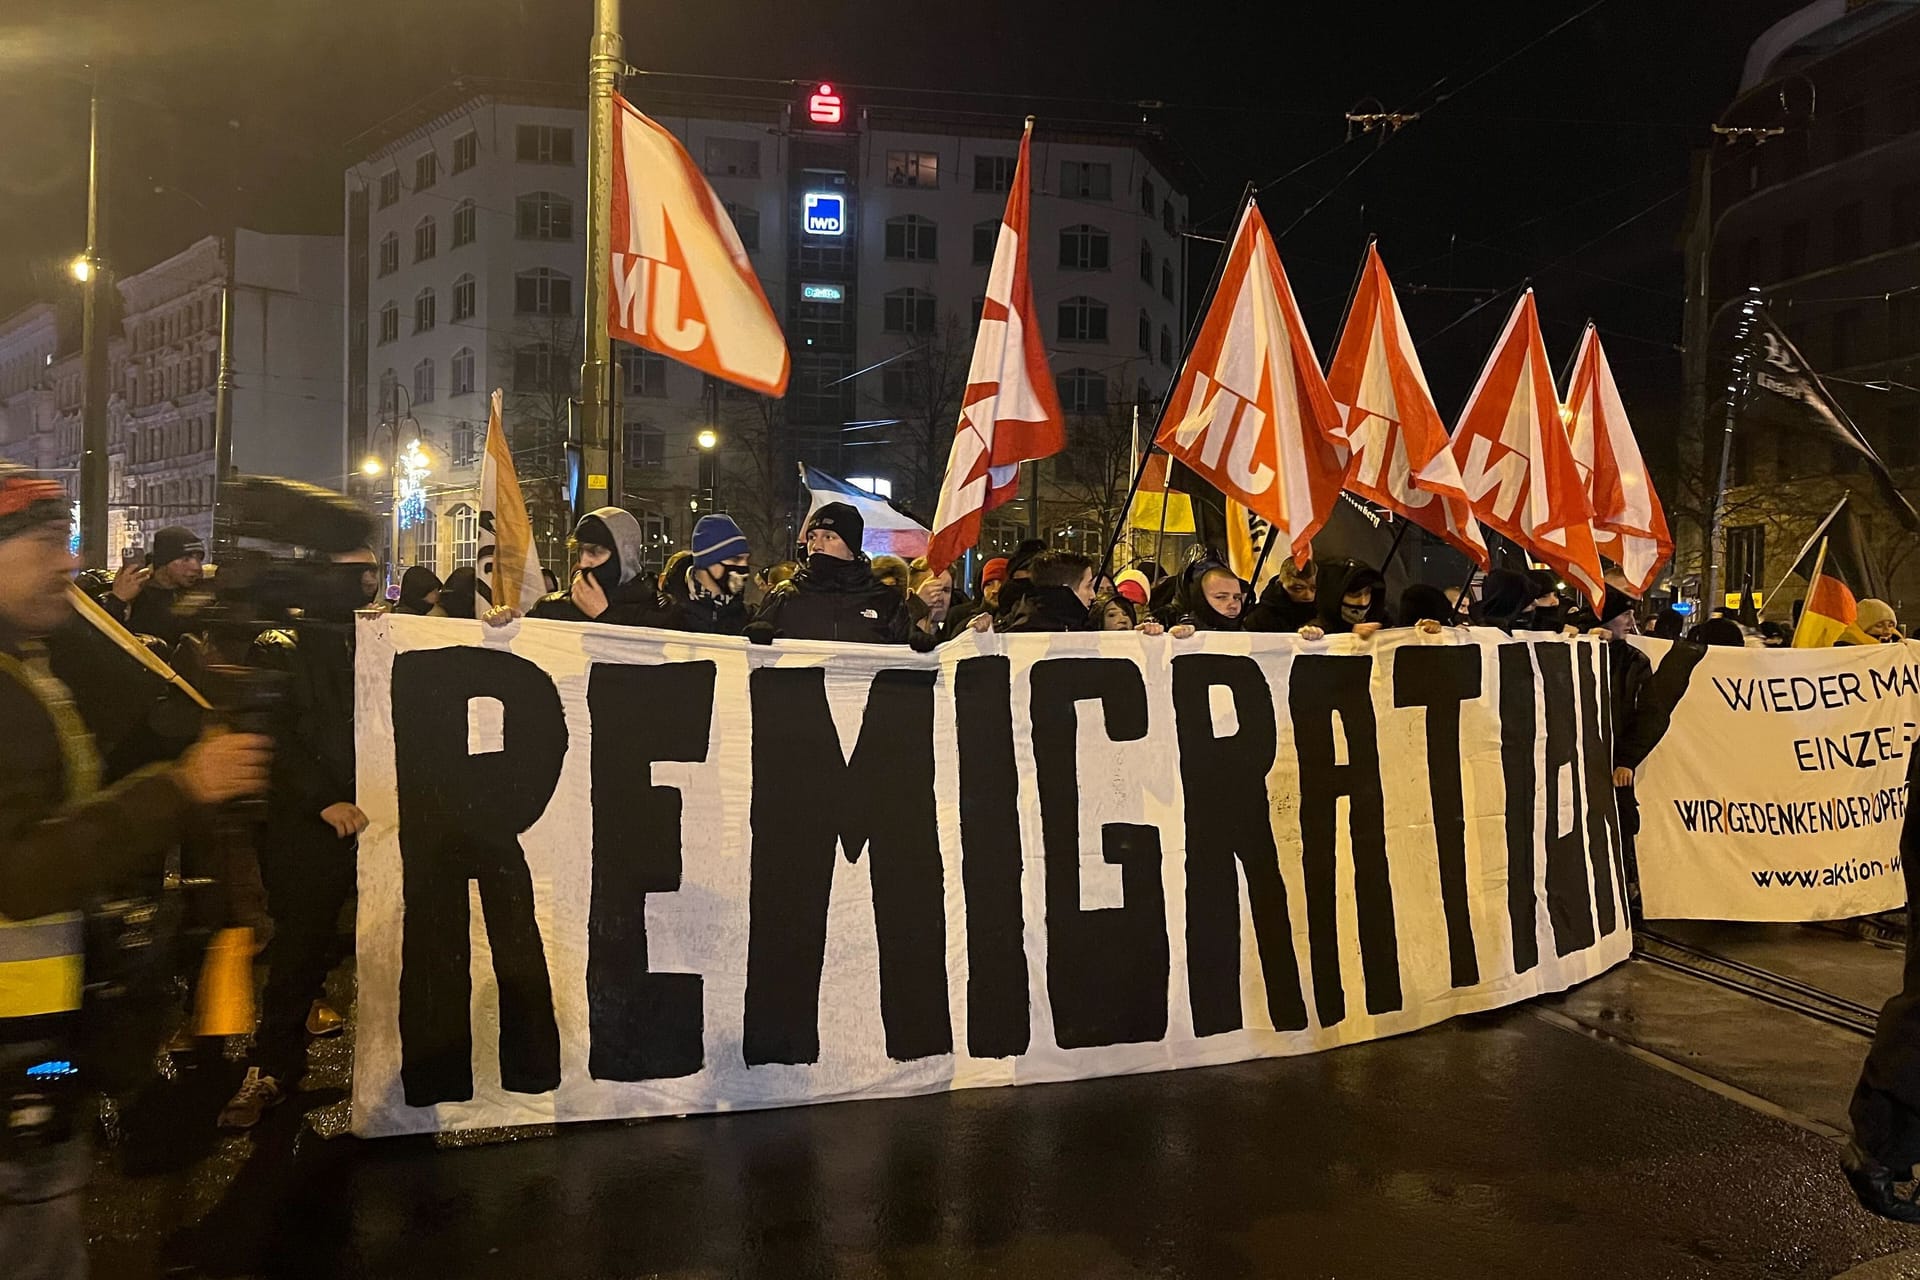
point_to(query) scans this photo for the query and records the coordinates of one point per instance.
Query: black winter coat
(151, 613)
(1639, 722)
(1278, 611)
(1048, 609)
(689, 611)
(313, 761)
(637, 603)
(843, 602)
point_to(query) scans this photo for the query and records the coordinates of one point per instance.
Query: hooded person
(709, 595)
(419, 591)
(1347, 596)
(143, 599)
(1721, 633)
(1548, 609)
(1287, 603)
(457, 594)
(834, 596)
(1422, 603)
(609, 581)
(1059, 599)
(1506, 597)
(1208, 597)
(1019, 575)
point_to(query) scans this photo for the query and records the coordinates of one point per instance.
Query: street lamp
(81, 268)
(372, 466)
(708, 440)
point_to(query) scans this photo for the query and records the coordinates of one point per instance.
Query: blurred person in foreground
(65, 841)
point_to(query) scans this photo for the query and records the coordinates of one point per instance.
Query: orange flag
(680, 280)
(1516, 462)
(1399, 444)
(1251, 411)
(1630, 528)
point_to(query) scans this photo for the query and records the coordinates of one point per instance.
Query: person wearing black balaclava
(834, 596)
(1506, 597)
(309, 851)
(419, 591)
(459, 596)
(1349, 598)
(609, 583)
(1547, 611)
(1422, 603)
(1019, 576)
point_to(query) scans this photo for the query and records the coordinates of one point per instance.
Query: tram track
(1751, 980)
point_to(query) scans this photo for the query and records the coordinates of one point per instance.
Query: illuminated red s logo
(824, 106)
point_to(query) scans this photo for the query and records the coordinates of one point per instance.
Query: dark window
(389, 188)
(543, 216)
(821, 323)
(993, 173)
(912, 239)
(1086, 180)
(1083, 391)
(986, 235)
(1146, 264)
(390, 323)
(733, 157)
(1083, 320)
(533, 367)
(1793, 249)
(423, 311)
(543, 144)
(1846, 340)
(1849, 231)
(746, 223)
(646, 445)
(1167, 222)
(1083, 248)
(542, 291)
(426, 239)
(909, 311)
(979, 311)
(643, 373)
(893, 388)
(389, 254)
(463, 298)
(1147, 196)
(426, 171)
(1905, 204)
(819, 390)
(462, 379)
(1146, 332)
(1746, 557)
(1166, 346)
(1749, 269)
(466, 440)
(465, 221)
(1166, 279)
(466, 152)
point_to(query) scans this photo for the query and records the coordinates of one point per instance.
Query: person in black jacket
(1208, 596)
(142, 599)
(835, 596)
(1349, 597)
(709, 595)
(1639, 722)
(419, 591)
(309, 850)
(1287, 603)
(609, 583)
(1421, 602)
(1059, 598)
(1506, 600)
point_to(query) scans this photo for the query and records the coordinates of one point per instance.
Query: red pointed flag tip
(679, 280)
(1010, 412)
(1630, 527)
(1251, 412)
(1516, 462)
(1398, 442)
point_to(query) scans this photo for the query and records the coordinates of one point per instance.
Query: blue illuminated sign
(823, 293)
(53, 1070)
(826, 213)
(1683, 607)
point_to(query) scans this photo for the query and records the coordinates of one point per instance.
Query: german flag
(1158, 506)
(1828, 616)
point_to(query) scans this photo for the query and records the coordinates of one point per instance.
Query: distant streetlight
(81, 268)
(372, 467)
(708, 438)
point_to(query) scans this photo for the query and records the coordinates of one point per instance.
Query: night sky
(1522, 168)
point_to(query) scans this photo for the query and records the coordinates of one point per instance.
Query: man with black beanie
(834, 596)
(142, 599)
(608, 584)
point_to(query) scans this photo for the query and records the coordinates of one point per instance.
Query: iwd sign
(615, 872)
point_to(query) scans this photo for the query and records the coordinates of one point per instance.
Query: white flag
(506, 554)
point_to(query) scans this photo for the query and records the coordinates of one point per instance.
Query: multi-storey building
(870, 225)
(163, 367)
(1812, 199)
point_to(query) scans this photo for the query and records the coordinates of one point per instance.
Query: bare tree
(542, 359)
(758, 480)
(1090, 478)
(919, 392)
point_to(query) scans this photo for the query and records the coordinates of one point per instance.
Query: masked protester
(1019, 576)
(1210, 597)
(1349, 598)
(419, 591)
(1506, 599)
(1421, 603)
(457, 597)
(835, 596)
(709, 595)
(143, 599)
(66, 840)
(1058, 598)
(609, 583)
(1287, 603)
(1639, 721)
(309, 850)
(1546, 612)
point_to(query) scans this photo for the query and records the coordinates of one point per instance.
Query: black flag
(1786, 391)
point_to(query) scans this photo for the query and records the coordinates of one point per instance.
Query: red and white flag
(1251, 412)
(1515, 459)
(679, 280)
(1629, 526)
(1010, 412)
(1399, 444)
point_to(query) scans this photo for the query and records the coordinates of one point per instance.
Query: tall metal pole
(1715, 531)
(606, 57)
(223, 398)
(93, 341)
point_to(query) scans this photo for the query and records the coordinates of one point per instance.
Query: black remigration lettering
(1440, 678)
(1569, 896)
(641, 1025)
(461, 817)
(1321, 687)
(1517, 738)
(808, 801)
(1229, 820)
(1106, 968)
(999, 1020)
(1596, 751)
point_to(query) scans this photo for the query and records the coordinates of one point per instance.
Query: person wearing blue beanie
(709, 595)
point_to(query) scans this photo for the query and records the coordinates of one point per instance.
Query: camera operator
(142, 600)
(63, 842)
(308, 849)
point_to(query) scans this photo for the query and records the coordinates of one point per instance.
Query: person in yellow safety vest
(63, 841)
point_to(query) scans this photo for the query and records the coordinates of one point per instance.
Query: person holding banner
(1209, 597)
(1350, 597)
(609, 583)
(1060, 599)
(1288, 602)
(710, 595)
(835, 596)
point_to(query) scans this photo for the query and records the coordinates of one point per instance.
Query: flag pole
(1808, 546)
(1819, 563)
(605, 59)
(1273, 535)
(1186, 351)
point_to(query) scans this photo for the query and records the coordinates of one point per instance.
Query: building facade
(1811, 203)
(871, 227)
(163, 362)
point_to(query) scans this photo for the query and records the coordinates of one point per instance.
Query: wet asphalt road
(1497, 1145)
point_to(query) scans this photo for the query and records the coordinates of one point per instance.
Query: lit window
(878, 486)
(909, 311)
(543, 216)
(1086, 180)
(466, 152)
(1083, 248)
(912, 239)
(542, 292)
(913, 168)
(1083, 320)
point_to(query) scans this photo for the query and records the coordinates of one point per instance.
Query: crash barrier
(616, 873)
(1779, 787)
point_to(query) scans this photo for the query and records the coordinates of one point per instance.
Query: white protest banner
(1780, 785)
(618, 872)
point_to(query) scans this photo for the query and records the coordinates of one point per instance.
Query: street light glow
(707, 438)
(82, 269)
(371, 467)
